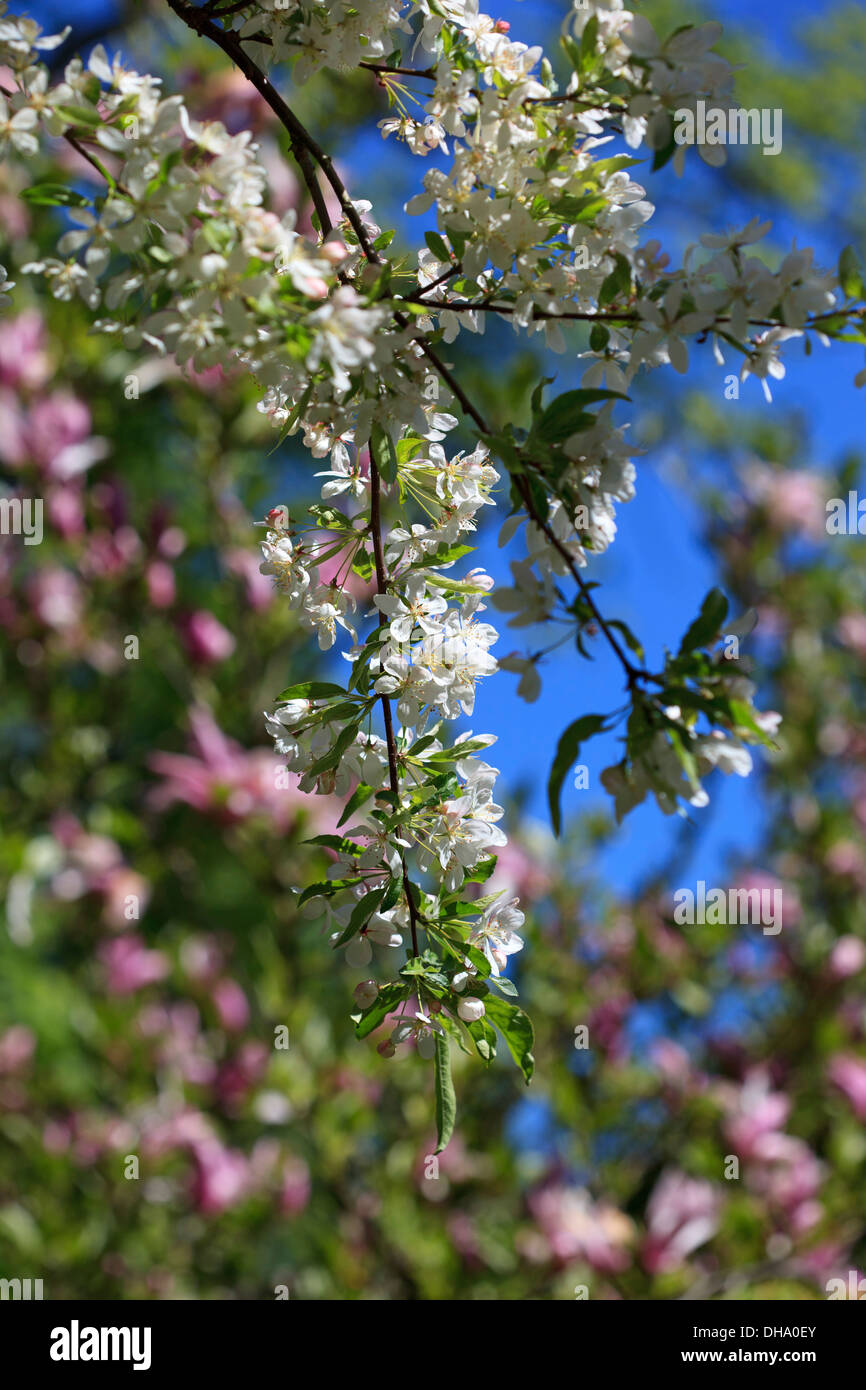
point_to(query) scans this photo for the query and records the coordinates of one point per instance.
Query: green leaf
(361, 794)
(446, 1100)
(571, 208)
(484, 1038)
(338, 843)
(616, 284)
(566, 414)
(516, 1029)
(589, 42)
(326, 888)
(708, 622)
(331, 759)
(383, 454)
(53, 195)
(311, 690)
(502, 982)
(438, 247)
(79, 115)
(851, 274)
(361, 913)
(566, 753)
(482, 872)
(599, 337)
(386, 1001)
(633, 644)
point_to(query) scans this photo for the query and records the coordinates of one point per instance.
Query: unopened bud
(359, 952)
(333, 251)
(470, 1010)
(365, 993)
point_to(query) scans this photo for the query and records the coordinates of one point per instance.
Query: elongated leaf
(516, 1029)
(616, 284)
(708, 622)
(338, 843)
(446, 1100)
(566, 754)
(53, 195)
(851, 274)
(438, 247)
(311, 690)
(386, 1001)
(326, 888)
(361, 794)
(361, 912)
(567, 415)
(383, 454)
(332, 758)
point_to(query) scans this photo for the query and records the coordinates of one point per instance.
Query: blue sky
(656, 573)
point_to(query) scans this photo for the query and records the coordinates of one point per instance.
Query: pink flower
(207, 641)
(788, 1175)
(130, 965)
(793, 499)
(845, 858)
(57, 436)
(755, 1111)
(682, 1214)
(126, 896)
(66, 511)
(240, 1073)
(296, 1186)
(221, 1177)
(847, 958)
(849, 1074)
(231, 1005)
(23, 359)
(222, 778)
(55, 596)
(576, 1227)
(852, 632)
(259, 587)
(183, 1129)
(17, 1046)
(161, 588)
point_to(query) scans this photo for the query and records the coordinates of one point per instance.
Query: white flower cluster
(426, 654)
(533, 221)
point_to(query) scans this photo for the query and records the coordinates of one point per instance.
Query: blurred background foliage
(151, 956)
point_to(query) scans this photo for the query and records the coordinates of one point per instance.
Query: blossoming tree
(529, 218)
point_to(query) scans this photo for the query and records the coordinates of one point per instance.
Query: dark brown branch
(390, 741)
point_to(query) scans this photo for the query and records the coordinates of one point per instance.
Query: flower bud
(359, 952)
(460, 981)
(386, 1048)
(365, 993)
(470, 1010)
(333, 252)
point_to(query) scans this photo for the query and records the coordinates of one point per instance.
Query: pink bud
(365, 993)
(470, 1009)
(333, 252)
(847, 957)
